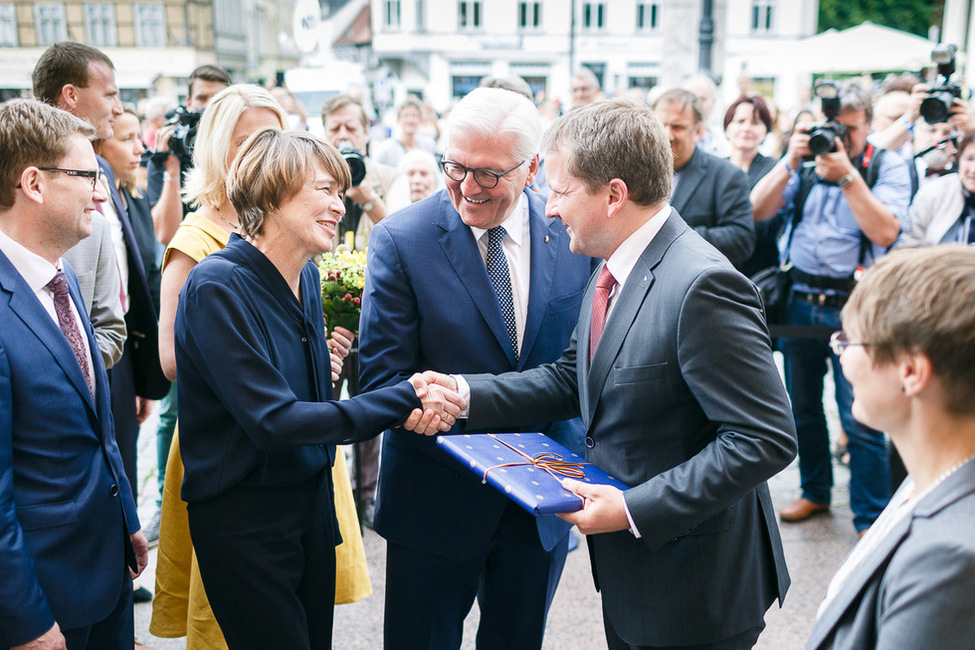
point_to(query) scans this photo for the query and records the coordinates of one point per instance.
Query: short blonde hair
(272, 167)
(922, 300)
(33, 133)
(206, 182)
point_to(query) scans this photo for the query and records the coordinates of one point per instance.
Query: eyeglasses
(483, 177)
(839, 342)
(94, 174)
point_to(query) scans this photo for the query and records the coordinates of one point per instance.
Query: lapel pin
(546, 239)
(644, 278)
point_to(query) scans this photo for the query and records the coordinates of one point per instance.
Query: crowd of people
(585, 275)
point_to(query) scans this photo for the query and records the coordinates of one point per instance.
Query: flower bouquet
(343, 276)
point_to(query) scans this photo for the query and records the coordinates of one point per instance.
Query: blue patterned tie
(497, 268)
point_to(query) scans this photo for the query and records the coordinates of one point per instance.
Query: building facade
(154, 45)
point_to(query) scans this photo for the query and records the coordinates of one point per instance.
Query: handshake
(441, 402)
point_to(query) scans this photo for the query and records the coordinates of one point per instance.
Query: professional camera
(355, 161)
(184, 135)
(936, 107)
(822, 136)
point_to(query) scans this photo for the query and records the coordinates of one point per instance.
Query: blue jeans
(805, 367)
(164, 436)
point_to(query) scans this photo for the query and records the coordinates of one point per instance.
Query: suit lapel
(690, 177)
(460, 248)
(625, 310)
(545, 247)
(28, 308)
(131, 245)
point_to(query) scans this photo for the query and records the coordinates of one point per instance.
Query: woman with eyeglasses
(908, 350)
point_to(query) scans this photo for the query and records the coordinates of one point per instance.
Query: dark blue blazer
(428, 304)
(65, 504)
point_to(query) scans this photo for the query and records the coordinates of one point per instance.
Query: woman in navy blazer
(257, 427)
(908, 349)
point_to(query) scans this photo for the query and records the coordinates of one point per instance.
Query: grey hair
(854, 97)
(494, 111)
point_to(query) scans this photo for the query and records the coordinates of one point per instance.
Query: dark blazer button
(113, 491)
(590, 443)
(304, 339)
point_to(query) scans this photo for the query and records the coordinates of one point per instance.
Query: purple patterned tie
(62, 306)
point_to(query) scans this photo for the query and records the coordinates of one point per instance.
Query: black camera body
(184, 135)
(936, 107)
(355, 160)
(823, 135)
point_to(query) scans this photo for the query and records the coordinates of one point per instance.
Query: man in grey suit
(709, 192)
(677, 389)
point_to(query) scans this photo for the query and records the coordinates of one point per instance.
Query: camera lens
(936, 107)
(822, 140)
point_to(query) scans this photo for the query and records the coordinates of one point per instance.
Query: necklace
(234, 227)
(941, 479)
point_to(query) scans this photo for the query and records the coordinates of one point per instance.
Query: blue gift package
(527, 467)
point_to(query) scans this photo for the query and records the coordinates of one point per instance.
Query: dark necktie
(66, 319)
(600, 300)
(497, 269)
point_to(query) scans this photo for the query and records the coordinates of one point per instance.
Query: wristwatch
(844, 181)
(368, 206)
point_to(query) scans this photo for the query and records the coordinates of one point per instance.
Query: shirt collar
(35, 270)
(514, 225)
(625, 257)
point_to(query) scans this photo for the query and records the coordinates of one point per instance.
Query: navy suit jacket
(65, 504)
(428, 304)
(142, 315)
(683, 403)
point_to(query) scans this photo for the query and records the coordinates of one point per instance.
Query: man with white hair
(472, 279)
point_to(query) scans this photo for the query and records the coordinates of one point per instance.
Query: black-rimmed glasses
(94, 174)
(839, 342)
(483, 177)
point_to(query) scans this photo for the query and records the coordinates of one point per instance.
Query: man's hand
(143, 409)
(602, 512)
(361, 193)
(339, 346)
(835, 165)
(140, 545)
(441, 405)
(50, 640)
(798, 149)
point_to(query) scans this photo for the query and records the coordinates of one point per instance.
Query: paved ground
(814, 550)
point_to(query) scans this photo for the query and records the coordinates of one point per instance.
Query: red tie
(600, 299)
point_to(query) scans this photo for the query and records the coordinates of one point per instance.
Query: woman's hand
(339, 346)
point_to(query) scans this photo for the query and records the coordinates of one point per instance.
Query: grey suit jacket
(712, 197)
(915, 590)
(93, 259)
(683, 403)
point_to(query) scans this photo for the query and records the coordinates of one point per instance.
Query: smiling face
(123, 150)
(478, 206)
(681, 129)
(583, 213)
(966, 166)
(745, 131)
(69, 200)
(308, 221)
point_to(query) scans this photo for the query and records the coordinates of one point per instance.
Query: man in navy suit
(68, 523)
(446, 289)
(81, 80)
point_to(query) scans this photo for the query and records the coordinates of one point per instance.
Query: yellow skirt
(180, 606)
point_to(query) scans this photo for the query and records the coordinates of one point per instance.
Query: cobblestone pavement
(814, 550)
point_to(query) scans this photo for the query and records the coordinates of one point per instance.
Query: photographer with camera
(850, 202)
(377, 190)
(173, 154)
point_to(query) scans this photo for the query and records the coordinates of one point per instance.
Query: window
(8, 25)
(391, 15)
(594, 16)
(421, 16)
(469, 14)
(529, 15)
(50, 23)
(763, 16)
(100, 24)
(647, 16)
(150, 24)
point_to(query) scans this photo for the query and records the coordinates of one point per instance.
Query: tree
(915, 16)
